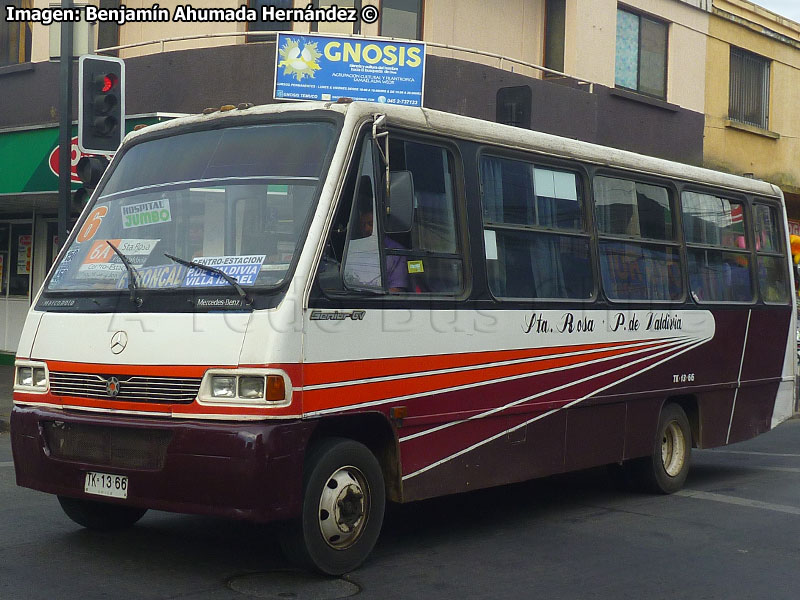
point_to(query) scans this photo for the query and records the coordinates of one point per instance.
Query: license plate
(103, 484)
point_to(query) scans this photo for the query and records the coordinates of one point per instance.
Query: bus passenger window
(719, 258)
(639, 257)
(773, 275)
(535, 241)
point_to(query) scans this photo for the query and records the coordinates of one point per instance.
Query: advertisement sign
(320, 67)
(24, 249)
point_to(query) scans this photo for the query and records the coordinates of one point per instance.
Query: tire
(665, 471)
(343, 505)
(100, 516)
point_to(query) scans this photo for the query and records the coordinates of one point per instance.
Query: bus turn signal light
(276, 389)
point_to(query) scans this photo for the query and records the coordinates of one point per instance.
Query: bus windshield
(236, 199)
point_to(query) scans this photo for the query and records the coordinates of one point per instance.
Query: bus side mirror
(400, 204)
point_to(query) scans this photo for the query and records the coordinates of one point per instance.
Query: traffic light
(90, 169)
(101, 108)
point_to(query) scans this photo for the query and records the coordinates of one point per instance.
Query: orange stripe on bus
(346, 396)
(337, 372)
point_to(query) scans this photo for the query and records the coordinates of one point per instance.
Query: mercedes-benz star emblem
(118, 342)
(112, 386)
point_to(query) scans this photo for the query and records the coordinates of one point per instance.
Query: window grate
(749, 89)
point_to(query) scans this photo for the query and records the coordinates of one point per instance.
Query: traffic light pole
(65, 128)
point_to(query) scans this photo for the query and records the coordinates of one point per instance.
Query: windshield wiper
(190, 263)
(131, 274)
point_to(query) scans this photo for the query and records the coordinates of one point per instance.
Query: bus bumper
(238, 470)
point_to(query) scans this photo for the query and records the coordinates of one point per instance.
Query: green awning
(29, 163)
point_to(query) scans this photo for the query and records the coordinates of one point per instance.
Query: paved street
(734, 532)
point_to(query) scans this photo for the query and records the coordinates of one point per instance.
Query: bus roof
(489, 132)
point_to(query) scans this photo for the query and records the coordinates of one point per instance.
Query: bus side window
(716, 248)
(639, 256)
(431, 251)
(773, 276)
(352, 252)
(535, 237)
(359, 255)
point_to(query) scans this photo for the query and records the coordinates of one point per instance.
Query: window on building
(15, 258)
(401, 19)
(535, 236)
(15, 38)
(639, 257)
(337, 27)
(749, 88)
(717, 249)
(269, 25)
(641, 59)
(773, 276)
(108, 31)
(554, 34)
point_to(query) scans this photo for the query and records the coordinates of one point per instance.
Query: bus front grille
(120, 447)
(129, 388)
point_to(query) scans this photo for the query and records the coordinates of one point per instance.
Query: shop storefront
(29, 217)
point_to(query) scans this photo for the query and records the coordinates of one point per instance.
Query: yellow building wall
(729, 148)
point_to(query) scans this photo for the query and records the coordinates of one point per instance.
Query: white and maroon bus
(297, 312)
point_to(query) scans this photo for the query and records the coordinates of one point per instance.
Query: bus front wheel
(101, 516)
(664, 472)
(343, 505)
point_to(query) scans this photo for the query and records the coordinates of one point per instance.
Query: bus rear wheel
(343, 505)
(665, 471)
(100, 516)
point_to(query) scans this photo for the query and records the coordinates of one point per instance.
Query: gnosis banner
(318, 67)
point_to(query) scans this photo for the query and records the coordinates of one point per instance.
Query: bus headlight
(223, 387)
(265, 387)
(25, 376)
(251, 388)
(32, 377)
(39, 377)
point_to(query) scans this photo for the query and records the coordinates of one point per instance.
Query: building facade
(752, 123)
(635, 75)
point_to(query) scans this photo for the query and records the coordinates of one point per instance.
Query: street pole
(65, 128)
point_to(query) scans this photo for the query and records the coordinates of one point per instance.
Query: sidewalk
(6, 386)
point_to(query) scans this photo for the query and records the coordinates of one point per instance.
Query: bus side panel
(640, 426)
(762, 369)
(595, 435)
(766, 343)
(530, 451)
(752, 413)
(714, 416)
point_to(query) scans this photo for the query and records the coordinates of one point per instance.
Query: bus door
(380, 329)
